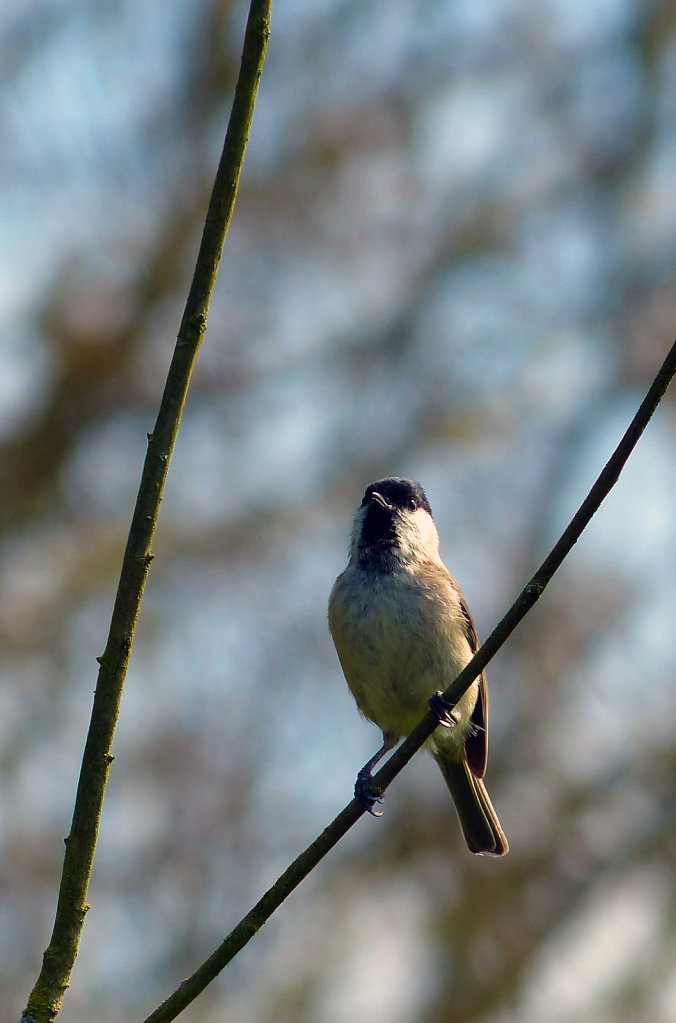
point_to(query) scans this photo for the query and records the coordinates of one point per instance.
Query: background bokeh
(454, 258)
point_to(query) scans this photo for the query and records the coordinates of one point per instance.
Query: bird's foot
(364, 793)
(363, 787)
(445, 711)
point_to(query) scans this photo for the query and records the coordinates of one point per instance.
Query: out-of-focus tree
(453, 257)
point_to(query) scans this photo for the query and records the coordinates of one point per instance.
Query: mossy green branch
(45, 999)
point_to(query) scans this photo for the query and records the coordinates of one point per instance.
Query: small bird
(403, 632)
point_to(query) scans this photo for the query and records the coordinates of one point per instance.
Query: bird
(403, 632)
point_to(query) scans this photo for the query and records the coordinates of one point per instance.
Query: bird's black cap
(399, 492)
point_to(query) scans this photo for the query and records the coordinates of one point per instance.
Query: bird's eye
(412, 504)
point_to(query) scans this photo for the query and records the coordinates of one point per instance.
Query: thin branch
(45, 999)
(307, 860)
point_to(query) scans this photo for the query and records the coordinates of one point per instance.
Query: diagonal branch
(45, 999)
(307, 860)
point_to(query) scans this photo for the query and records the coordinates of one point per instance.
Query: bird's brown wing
(476, 743)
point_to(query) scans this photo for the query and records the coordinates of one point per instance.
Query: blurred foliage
(453, 257)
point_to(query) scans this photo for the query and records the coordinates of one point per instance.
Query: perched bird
(403, 632)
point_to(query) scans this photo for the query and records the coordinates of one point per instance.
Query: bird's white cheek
(418, 535)
(357, 526)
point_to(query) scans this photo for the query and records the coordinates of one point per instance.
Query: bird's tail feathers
(478, 819)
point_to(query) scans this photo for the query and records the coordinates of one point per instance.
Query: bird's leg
(362, 786)
(445, 711)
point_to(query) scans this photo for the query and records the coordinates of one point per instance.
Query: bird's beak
(379, 499)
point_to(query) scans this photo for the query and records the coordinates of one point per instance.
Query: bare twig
(45, 999)
(307, 860)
